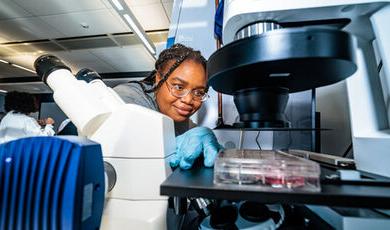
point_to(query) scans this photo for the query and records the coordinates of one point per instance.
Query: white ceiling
(30, 28)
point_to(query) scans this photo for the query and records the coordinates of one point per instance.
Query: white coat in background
(18, 125)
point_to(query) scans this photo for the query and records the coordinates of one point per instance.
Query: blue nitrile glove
(191, 144)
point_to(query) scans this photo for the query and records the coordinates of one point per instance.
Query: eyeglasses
(179, 92)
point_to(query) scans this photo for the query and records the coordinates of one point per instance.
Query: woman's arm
(34, 129)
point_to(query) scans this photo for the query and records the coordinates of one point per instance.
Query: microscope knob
(224, 217)
(254, 212)
(87, 75)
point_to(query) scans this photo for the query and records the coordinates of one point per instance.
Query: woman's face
(189, 75)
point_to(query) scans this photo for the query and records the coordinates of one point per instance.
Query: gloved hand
(191, 144)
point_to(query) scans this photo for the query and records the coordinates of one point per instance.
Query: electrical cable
(181, 222)
(290, 140)
(257, 142)
(347, 151)
(241, 140)
(380, 65)
(382, 211)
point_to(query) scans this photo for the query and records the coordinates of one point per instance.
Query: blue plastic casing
(51, 183)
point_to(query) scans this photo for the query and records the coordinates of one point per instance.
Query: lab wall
(2, 96)
(332, 103)
(51, 109)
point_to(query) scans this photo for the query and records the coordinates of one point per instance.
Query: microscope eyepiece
(46, 64)
(87, 75)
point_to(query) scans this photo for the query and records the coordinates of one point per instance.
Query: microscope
(273, 48)
(136, 143)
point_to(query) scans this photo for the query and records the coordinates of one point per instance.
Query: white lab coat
(18, 125)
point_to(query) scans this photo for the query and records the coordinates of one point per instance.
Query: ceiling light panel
(132, 22)
(141, 34)
(84, 59)
(54, 7)
(132, 3)
(127, 59)
(46, 46)
(98, 66)
(118, 5)
(10, 10)
(87, 43)
(130, 39)
(126, 39)
(22, 29)
(151, 17)
(23, 68)
(86, 23)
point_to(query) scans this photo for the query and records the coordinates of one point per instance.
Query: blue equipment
(51, 183)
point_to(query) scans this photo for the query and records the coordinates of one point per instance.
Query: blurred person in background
(17, 123)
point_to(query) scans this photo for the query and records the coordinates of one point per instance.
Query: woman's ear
(158, 77)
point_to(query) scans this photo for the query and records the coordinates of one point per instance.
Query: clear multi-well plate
(266, 170)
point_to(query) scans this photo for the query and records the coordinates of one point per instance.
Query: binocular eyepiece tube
(87, 105)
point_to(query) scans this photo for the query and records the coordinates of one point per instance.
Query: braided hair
(177, 53)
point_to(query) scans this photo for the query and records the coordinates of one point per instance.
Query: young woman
(177, 88)
(16, 123)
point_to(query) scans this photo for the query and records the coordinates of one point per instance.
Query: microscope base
(134, 214)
